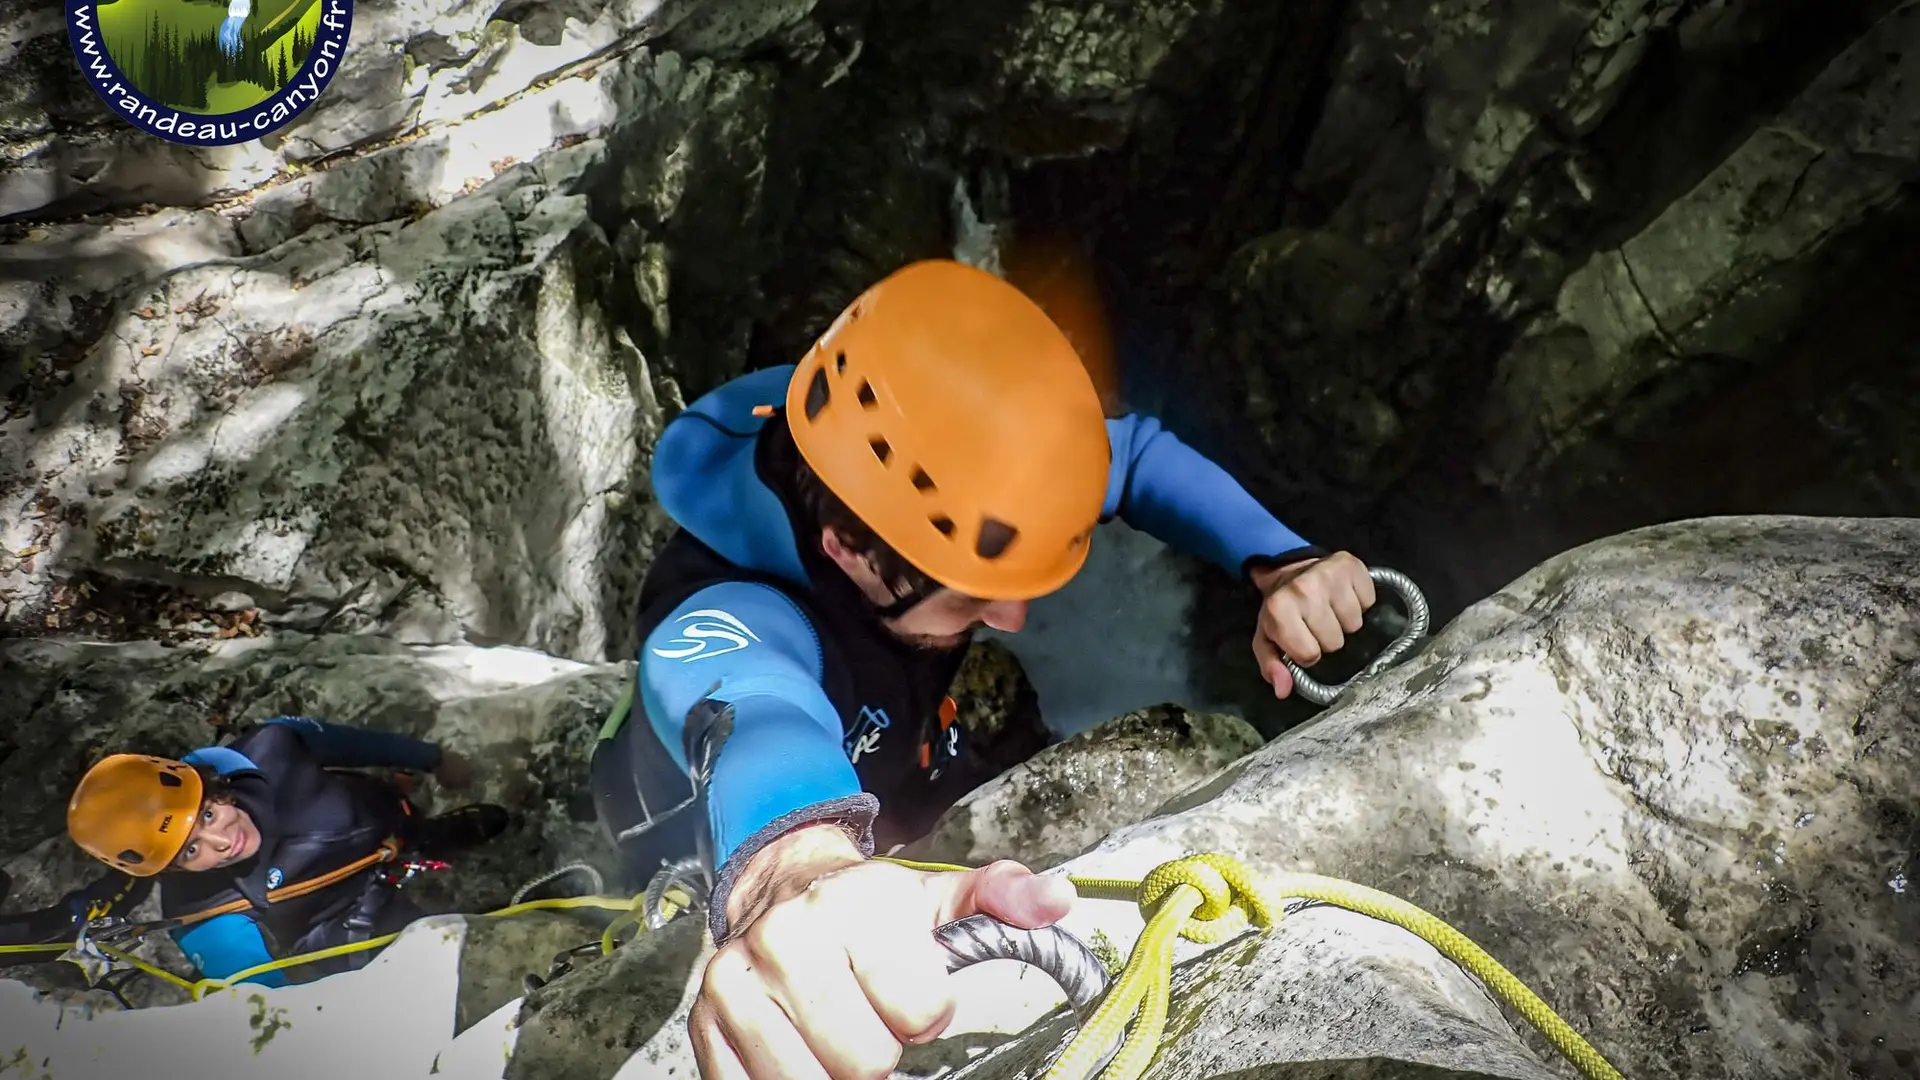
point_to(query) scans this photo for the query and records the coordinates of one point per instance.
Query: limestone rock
(392, 1018)
(1068, 796)
(1527, 259)
(1666, 778)
(373, 416)
(997, 706)
(498, 954)
(412, 70)
(624, 1015)
(400, 370)
(1283, 1005)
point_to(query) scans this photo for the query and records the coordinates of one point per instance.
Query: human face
(946, 619)
(222, 835)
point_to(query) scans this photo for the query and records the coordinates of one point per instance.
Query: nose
(1006, 616)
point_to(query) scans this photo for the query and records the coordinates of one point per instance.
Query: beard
(937, 642)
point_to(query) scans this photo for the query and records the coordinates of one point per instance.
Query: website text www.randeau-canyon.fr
(325, 55)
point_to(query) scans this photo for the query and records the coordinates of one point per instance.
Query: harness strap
(388, 851)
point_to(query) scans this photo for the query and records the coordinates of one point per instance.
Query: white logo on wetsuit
(952, 751)
(707, 632)
(865, 736)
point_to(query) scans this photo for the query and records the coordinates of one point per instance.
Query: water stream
(237, 12)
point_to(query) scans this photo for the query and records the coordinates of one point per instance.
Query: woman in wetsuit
(275, 807)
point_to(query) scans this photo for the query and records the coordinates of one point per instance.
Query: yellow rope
(205, 986)
(676, 901)
(1205, 898)
(1208, 898)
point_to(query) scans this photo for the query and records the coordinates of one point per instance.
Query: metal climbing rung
(1417, 617)
(979, 938)
(1065, 959)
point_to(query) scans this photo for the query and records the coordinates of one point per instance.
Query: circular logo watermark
(209, 72)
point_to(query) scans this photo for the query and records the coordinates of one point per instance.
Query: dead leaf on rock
(200, 306)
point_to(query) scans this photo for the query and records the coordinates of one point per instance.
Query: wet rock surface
(1071, 794)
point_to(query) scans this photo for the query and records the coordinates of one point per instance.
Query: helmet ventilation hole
(840, 362)
(995, 536)
(167, 779)
(131, 857)
(921, 481)
(881, 448)
(817, 393)
(866, 396)
(943, 523)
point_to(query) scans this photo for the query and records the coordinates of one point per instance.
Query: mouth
(243, 845)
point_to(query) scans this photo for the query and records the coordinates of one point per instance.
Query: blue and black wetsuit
(312, 819)
(766, 682)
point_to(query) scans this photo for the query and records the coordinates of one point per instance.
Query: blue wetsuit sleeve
(226, 944)
(1167, 489)
(748, 648)
(341, 747)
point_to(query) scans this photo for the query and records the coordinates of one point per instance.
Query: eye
(207, 815)
(191, 851)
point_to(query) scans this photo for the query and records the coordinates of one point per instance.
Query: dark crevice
(1710, 94)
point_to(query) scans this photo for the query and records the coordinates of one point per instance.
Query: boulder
(1667, 779)
(1065, 798)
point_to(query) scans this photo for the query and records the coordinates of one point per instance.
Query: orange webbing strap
(389, 850)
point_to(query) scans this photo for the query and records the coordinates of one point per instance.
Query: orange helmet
(134, 812)
(955, 419)
(1058, 275)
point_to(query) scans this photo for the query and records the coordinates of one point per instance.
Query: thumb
(1273, 667)
(1007, 891)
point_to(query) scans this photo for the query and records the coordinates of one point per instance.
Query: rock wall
(1443, 284)
(398, 369)
(1529, 258)
(1667, 779)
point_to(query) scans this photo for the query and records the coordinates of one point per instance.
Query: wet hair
(213, 786)
(825, 510)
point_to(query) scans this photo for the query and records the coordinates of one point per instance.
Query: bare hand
(454, 772)
(1309, 609)
(832, 967)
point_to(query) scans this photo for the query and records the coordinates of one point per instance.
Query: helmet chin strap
(904, 603)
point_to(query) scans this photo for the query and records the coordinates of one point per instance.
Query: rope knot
(1229, 896)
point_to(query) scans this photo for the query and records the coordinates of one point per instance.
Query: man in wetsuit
(279, 805)
(937, 460)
